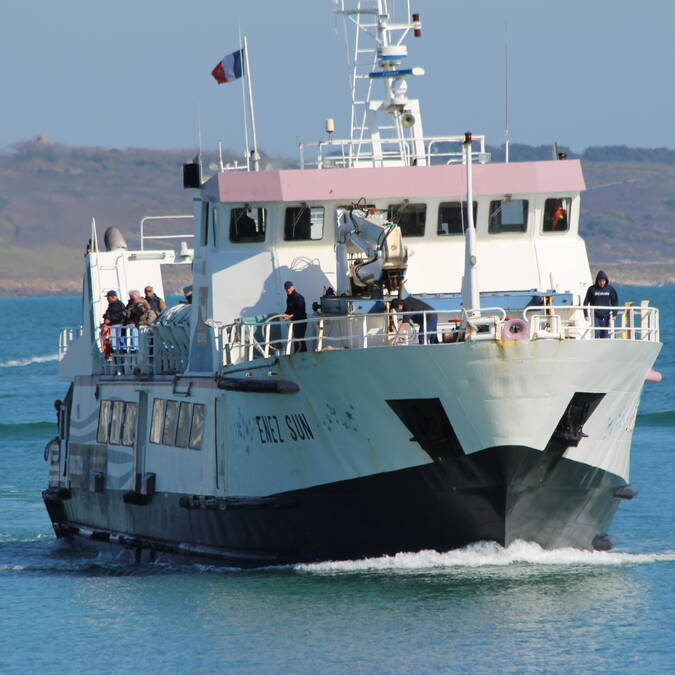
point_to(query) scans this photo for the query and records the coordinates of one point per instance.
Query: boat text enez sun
(444, 387)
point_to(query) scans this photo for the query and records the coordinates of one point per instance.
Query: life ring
(515, 329)
(106, 341)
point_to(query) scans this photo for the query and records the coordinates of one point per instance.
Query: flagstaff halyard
(495, 415)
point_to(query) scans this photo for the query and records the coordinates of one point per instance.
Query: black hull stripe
(500, 494)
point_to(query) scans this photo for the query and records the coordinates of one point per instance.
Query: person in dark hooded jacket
(601, 294)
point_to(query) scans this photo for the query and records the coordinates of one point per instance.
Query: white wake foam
(488, 555)
(16, 363)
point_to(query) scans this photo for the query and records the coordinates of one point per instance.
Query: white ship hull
(379, 451)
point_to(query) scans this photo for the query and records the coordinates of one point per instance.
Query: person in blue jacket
(601, 294)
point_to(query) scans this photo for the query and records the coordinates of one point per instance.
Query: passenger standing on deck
(601, 294)
(113, 319)
(295, 311)
(411, 304)
(187, 294)
(137, 313)
(156, 303)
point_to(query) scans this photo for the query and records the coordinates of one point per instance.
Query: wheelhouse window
(248, 225)
(453, 217)
(557, 214)
(304, 223)
(409, 217)
(508, 215)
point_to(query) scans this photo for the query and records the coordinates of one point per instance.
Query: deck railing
(240, 342)
(147, 350)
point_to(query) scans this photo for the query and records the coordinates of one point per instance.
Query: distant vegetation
(49, 193)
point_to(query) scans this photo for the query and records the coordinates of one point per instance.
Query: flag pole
(256, 156)
(243, 109)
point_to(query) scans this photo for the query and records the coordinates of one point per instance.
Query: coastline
(624, 273)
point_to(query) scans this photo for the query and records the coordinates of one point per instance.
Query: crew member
(187, 294)
(113, 318)
(295, 311)
(411, 304)
(601, 294)
(156, 303)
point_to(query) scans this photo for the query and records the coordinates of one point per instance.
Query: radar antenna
(384, 131)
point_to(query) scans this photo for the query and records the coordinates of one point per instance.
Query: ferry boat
(223, 432)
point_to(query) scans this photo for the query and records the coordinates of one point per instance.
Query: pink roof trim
(394, 182)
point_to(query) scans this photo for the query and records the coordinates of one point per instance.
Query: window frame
(492, 229)
(198, 410)
(462, 210)
(103, 437)
(302, 208)
(569, 201)
(392, 215)
(128, 433)
(262, 213)
(187, 421)
(116, 421)
(168, 423)
(157, 422)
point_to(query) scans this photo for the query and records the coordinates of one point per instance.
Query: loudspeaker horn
(407, 120)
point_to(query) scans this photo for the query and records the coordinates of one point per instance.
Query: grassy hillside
(49, 194)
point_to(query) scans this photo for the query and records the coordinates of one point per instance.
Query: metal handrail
(163, 236)
(348, 158)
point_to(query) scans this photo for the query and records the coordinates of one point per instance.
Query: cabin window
(183, 430)
(116, 422)
(197, 431)
(129, 424)
(170, 422)
(205, 223)
(453, 217)
(248, 225)
(103, 422)
(409, 217)
(157, 420)
(508, 215)
(557, 214)
(304, 223)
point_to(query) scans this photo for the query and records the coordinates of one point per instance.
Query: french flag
(230, 68)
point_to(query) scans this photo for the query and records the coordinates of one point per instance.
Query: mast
(247, 68)
(376, 139)
(470, 294)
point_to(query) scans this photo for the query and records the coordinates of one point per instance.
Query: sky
(138, 73)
